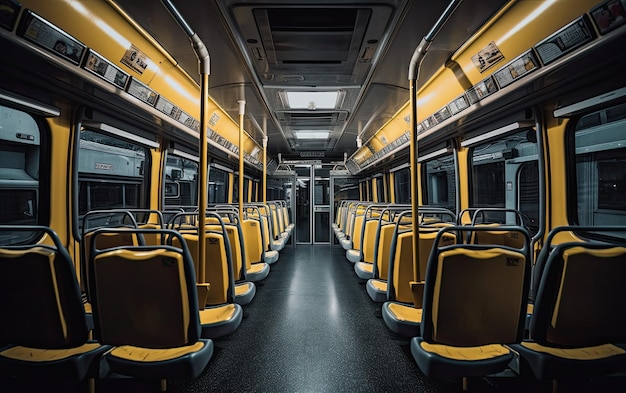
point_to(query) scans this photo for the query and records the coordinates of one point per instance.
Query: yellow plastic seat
(474, 304)
(43, 333)
(578, 326)
(377, 286)
(364, 255)
(255, 228)
(145, 304)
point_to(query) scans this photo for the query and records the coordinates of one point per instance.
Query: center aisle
(311, 328)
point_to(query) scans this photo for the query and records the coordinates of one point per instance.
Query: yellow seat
(44, 333)
(377, 286)
(578, 326)
(400, 313)
(364, 254)
(256, 236)
(145, 304)
(474, 304)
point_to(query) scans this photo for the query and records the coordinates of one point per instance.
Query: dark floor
(312, 328)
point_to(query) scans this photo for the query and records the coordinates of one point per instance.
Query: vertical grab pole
(242, 111)
(414, 65)
(203, 174)
(204, 63)
(414, 187)
(264, 160)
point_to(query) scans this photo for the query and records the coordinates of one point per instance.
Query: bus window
(19, 171)
(439, 181)
(218, 186)
(505, 174)
(180, 188)
(403, 185)
(110, 173)
(601, 167)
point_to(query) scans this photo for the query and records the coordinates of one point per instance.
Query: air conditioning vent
(308, 119)
(326, 39)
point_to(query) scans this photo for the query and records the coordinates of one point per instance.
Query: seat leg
(164, 385)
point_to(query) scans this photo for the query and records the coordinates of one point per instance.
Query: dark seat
(44, 330)
(400, 313)
(222, 314)
(578, 327)
(474, 304)
(145, 304)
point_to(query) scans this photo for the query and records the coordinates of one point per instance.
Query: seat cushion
(549, 363)
(364, 270)
(220, 320)
(244, 292)
(377, 290)
(444, 361)
(353, 255)
(402, 319)
(73, 363)
(185, 362)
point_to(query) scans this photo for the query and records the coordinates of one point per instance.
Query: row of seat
(470, 314)
(151, 313)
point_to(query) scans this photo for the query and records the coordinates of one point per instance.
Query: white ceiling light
(311, 134)
(312, 99)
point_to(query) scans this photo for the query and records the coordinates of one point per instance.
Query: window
(600, 170)
(403, 185)
(110, 173)
(218, 186)
(505, 174)
(20, 162)
(439, 183)
(181, 182)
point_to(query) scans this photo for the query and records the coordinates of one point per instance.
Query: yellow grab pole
(264, 169)
(204, 63)
(203, 174)
(242, 110)
(414, 187)
(414, 65)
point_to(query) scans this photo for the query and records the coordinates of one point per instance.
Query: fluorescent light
(312, 99)
(309, 134)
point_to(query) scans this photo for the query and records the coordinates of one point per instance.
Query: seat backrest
(266, 233)
(279, 217)
(401, 269)
(274, 226)
(149, 219)
(40, 299)
(215, 266)
(383, 249)
(357, 232)
(495, 236)
(253, 241)
(475, 294)
(285, 210)
(369, 240)
(427, 236)
(580, 300)
(350, 215)
(115, 218)
(145, 295)
(237, 250)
